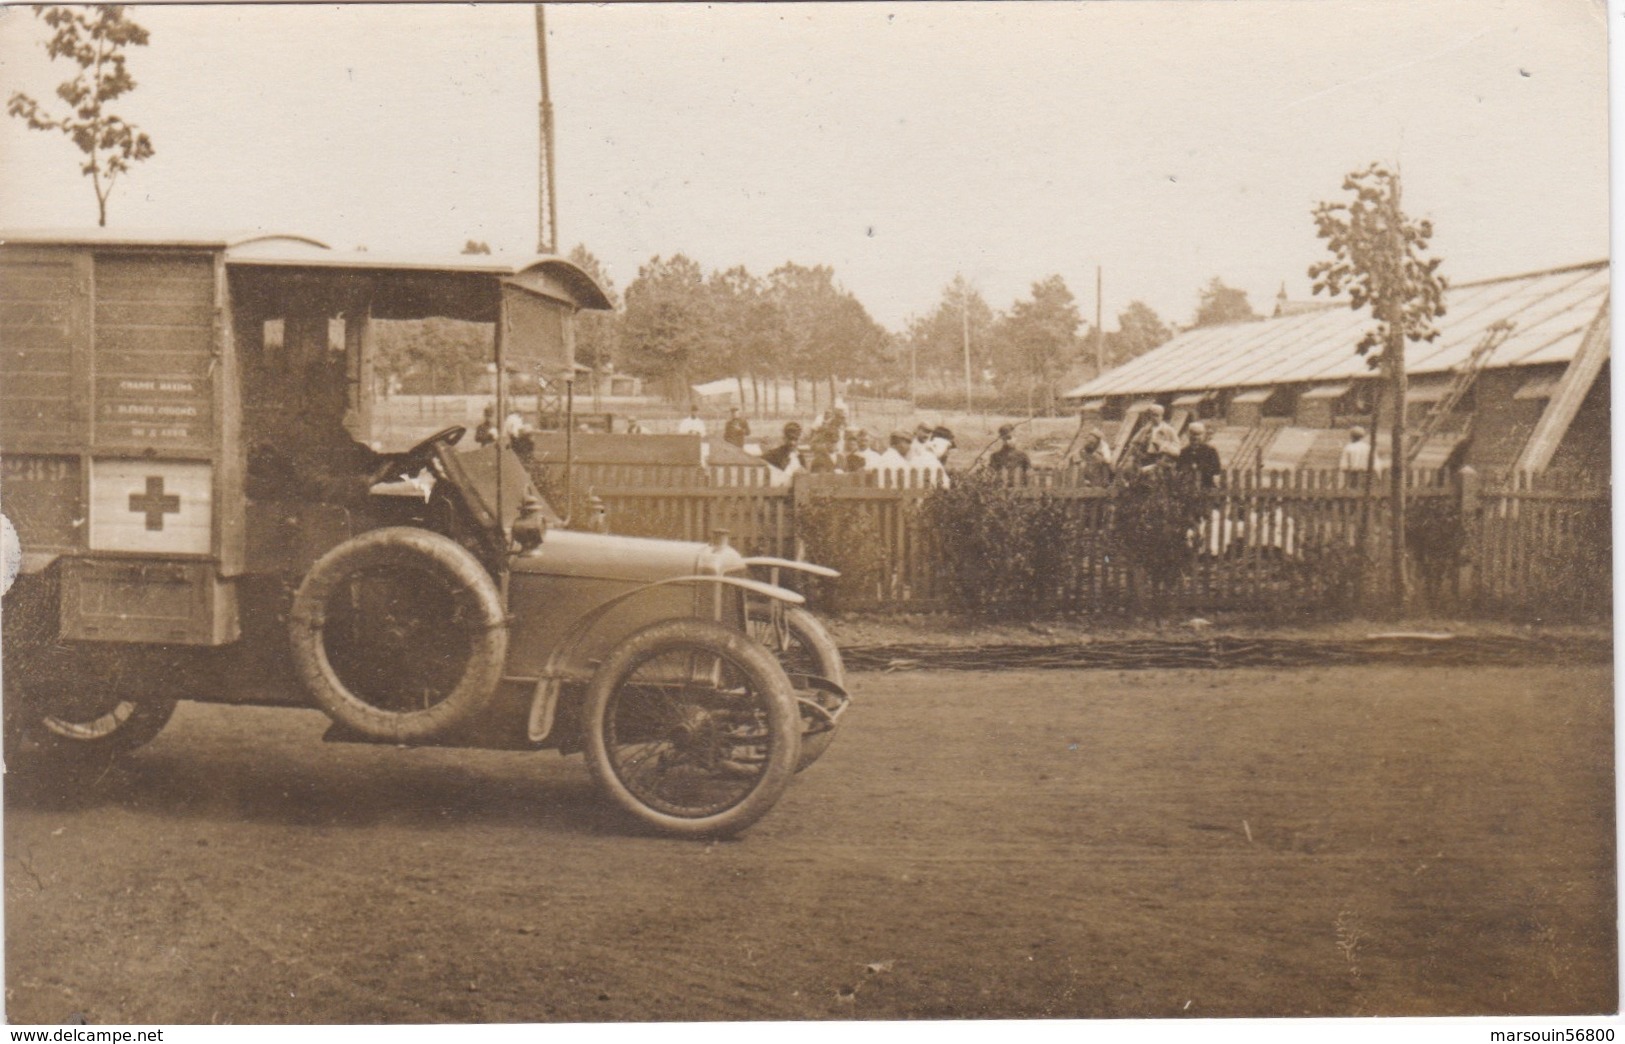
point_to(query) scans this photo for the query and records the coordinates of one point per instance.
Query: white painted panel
(161, 506)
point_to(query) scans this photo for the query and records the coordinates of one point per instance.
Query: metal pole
(501, 346)
(569, 447)
(547, 214)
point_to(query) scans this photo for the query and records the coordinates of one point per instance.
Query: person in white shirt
(859, 456)
(916, 456)
(1356, 456)
(691, 425)
(517, 435)
(920, 447)
(1164, 439)
(895, 458)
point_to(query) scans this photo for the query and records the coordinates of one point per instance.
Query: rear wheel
(82, 732)
(803, 646)
(692, 728)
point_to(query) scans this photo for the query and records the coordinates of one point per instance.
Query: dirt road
(1049, 844)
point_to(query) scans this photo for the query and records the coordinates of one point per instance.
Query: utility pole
(1100, 335)
(547, 213)
(913, 373)
(964, 328)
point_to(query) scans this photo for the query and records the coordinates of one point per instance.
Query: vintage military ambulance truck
(188, 453)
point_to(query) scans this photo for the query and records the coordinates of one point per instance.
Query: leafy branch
(94, 39)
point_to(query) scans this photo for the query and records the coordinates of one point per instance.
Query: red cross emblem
(155, 503)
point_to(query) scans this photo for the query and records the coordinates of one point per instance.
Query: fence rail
(1311, 541)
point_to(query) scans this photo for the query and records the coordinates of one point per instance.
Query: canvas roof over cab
(416, 285)
(152, 239)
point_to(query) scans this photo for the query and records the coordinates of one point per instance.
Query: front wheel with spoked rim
(692, 728)
(803, 646)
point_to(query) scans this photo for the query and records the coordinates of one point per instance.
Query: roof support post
(1570, 392)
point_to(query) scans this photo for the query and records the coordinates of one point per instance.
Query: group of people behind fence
(834, 448)
(1154, 447)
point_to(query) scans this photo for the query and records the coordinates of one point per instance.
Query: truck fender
(790, 563)
(545, 700)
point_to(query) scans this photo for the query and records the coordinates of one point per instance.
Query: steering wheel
(420, 456)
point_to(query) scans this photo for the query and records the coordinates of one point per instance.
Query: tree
(1138, 331)
(441, 355)
(1380, 257)
(665, 332)
(824, 326)
(1037, 338)
(476, 246)
(95, 39)
(1220, 304)
(597, 333)
(936, 342)
(865, 345)
(748, 327)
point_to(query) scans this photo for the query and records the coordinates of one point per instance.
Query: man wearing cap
(920, 458)
(918, 448)
(940, 442)
(784, 456)
(1096, 465)
(1200, 462)
(1200, 459)
(737, 429)
(692, 424)
(1356, 456)
(859, 456)
(1007, 457)
(823, 460)
(896, 456)
(1164, 439)
(486, 433)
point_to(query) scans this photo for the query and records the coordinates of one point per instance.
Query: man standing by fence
(859, 456)
(786, 453)
(1096, 465)
(1164, 439)
(1199, 459)
(1198, 465)
(1356, 456)
(737, 429)
(692, 424)
(1008, 457)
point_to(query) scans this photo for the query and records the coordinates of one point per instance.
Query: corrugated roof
(1550, 311)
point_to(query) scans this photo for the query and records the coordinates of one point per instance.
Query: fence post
(800, 494)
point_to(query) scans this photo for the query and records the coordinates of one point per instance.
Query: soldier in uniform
(782, 455)
(1008, 457)
(737, 428)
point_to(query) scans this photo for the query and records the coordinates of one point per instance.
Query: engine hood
(635, 559)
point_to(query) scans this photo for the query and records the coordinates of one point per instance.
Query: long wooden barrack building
(1281, 393)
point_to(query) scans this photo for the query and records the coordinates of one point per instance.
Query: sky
(1166, 141)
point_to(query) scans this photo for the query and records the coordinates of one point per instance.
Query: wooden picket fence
(1284, 541)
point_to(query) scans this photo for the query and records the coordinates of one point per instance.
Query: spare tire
(399, 634)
